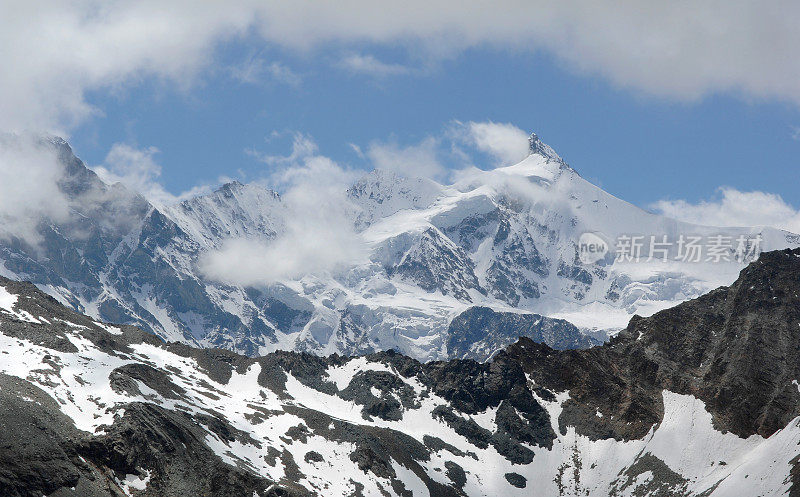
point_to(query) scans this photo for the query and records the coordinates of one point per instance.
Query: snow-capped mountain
(699, 400)
(507, 240)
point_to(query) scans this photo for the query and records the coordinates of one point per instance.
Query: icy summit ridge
(537, 146)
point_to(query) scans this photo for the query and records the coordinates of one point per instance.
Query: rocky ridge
(700, 399)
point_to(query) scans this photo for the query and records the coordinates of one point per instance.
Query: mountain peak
(236, 188)
(537, 146)
(231, 185)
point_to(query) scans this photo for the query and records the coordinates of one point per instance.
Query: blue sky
(695, 104)
(639, 147)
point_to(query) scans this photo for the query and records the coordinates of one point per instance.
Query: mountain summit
(537, 147)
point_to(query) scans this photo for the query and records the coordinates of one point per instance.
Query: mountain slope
(701, 399)
(506, 239)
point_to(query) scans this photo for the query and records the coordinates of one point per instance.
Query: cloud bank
(56, 52)
(735, 208)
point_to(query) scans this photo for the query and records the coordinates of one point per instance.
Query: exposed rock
(480, 332)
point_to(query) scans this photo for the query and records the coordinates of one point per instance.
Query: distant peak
(230, 186)
(236, 189)
(537, 146)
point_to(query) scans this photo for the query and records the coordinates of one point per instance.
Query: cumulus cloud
(735, 208)
(318, 235)
(420, 160)
(55, 52)
(137, 169)
(29, 187)
(505, 142)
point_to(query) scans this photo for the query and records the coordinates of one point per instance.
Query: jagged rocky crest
(700, 399)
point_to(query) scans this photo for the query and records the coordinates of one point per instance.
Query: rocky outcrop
(736, 349)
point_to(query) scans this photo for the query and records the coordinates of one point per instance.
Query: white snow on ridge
(7, 300)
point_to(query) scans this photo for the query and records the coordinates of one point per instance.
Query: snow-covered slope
(665, 409)
(233, 211)
(506, 239)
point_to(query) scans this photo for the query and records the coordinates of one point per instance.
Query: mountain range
(451, 271)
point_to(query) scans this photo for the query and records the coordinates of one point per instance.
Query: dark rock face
(734, 348)
(516, 479)
(169, 445)
(392, 394)
(37, 454)
(435, 263)
(162, 436)
(480, 332)
(41, 453)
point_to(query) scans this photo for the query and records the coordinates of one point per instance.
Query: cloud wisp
(256, 70)
(369, 65)
(418, 160)
(30, 174)
(505, 143)
(137, 169)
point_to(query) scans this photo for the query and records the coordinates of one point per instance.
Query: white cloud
(420, 160)
(29, 187)
(438, 156)
(56, 51)
(137, 169)
(368, 64)
(319, 236)
(796, 133)
(735, 208)
(505, 142)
